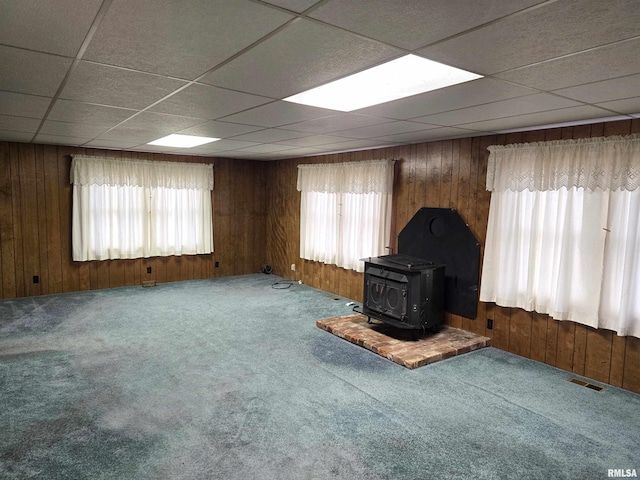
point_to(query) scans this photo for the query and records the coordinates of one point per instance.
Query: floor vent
(597, 388)
(148, 283)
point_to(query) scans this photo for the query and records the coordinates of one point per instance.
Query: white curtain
(137, 208)
(345, 211)
(563, 235)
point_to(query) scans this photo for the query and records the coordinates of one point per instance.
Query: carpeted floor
(230, 379)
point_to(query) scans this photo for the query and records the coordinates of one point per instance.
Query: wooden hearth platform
(398, 345)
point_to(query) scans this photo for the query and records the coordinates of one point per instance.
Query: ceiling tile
(504, 108)
(353, 145)
(383, 129)
(298, 6)
(9, 136)
(607, 90)
(54, 27)
(269, 135)
(204, 101)
(219, 129)
(609, 61)
(539, 119)
(90, 114)
(66, 129)
(304, 151)
(335, 123)
(303, 55)
(206, 149)
(129, 135)
(312, 140)
(451, 132)
(628, 106)
(412, 24)
(31, 72)
(222, 145)
(237, 154)
(584, 52)
(551, 30)
(19, 124)
(159, 122)
(117, 144)
(95, 83)
(308, 151)
(161, 149)
(427, 135)
(60, 140)
(181, 38)
(265, 157)
(476, 92)
(265, 148)
(22, 105)
(277, 114)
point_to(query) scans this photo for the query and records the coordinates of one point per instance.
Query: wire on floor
(281, 284)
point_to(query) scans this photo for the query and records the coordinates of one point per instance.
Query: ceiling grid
(118, 74)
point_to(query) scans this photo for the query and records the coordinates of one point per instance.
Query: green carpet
(230, 379)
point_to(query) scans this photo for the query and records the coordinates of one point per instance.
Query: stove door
(387, 296)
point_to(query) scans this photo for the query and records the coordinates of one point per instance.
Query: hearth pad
(398, 345)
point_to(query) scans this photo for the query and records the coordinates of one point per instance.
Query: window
(135, 209)
(564, 232)
(345, 211)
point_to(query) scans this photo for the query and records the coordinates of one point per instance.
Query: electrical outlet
(489, 324)
(217, 264)
(293, 267)
(36, 279)
(148, 269)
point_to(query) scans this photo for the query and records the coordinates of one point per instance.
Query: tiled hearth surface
(398, 345)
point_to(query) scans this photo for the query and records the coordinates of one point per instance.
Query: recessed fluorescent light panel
(403, 77)
(182, 141)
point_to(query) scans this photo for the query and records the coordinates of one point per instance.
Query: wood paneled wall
(452, 174)
(257, 222)
(35, 225)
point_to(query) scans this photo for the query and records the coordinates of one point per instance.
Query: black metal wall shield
(441, 236)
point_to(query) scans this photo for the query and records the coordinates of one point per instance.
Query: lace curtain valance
(86, 170)
(606, 163)
(374, 176)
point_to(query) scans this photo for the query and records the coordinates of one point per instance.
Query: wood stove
(404, 291)
(436, 270)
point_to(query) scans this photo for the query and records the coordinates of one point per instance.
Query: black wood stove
(436, 269)
(404, 291)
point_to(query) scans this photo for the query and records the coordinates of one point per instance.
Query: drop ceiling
(117, 74)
